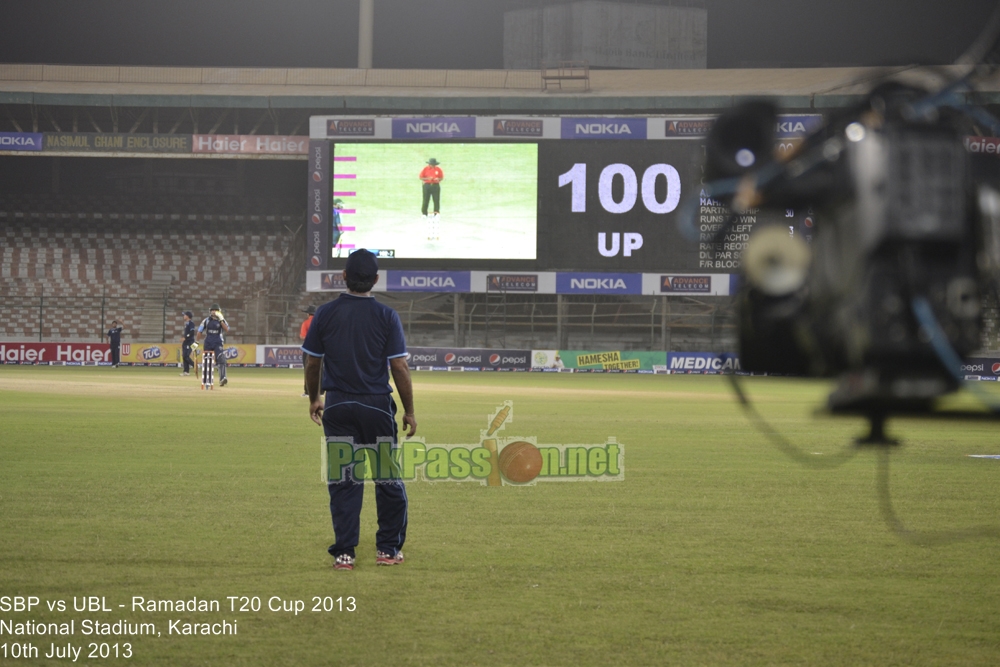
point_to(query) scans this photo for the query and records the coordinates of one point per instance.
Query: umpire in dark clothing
(114, 337)
(187, 340)
(354, 342)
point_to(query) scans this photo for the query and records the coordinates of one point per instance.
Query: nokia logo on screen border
(426, 281)
(597, 283)
(32, 141)
(432, 127)
(602, 128)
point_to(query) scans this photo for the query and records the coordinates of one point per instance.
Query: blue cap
(362, 266)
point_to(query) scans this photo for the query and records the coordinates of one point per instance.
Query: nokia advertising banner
(599, 283)
(20, 141)
(429, 281)
(462, 127)
(318, 213)
(604, 128)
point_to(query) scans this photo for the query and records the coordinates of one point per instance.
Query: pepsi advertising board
(454, 358)
(318, 220)
(981, 368)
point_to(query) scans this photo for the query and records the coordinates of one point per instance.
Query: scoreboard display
(601, 204)
(613, 205)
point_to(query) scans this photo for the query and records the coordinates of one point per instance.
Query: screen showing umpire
(436, 200)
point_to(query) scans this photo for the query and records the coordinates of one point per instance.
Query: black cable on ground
(782, 443)
(918, 537)
(892, 520)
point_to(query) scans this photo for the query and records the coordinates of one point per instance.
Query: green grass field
(715, 550)
(488, 199)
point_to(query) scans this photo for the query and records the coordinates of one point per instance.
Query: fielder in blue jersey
(355, 342)
(187, 340)
(214, 329)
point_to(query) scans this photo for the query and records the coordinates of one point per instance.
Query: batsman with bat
(213, 328)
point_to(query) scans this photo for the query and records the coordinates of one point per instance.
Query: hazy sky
(461, 34)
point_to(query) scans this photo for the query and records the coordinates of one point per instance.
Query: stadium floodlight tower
(366, 33)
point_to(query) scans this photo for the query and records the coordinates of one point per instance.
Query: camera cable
(781, 442)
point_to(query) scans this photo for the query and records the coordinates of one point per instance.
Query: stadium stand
(78, 263)
(98, 238)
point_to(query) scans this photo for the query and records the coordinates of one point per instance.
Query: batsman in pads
(354, 343)
(214, 328)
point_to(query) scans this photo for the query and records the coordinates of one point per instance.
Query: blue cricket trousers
(365, 418)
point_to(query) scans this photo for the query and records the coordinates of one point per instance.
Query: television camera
(887, 296)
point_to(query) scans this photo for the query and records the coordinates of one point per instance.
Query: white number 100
(577, 176)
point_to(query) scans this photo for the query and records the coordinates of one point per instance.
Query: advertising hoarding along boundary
(535, 282)
(425, 358)
(598, 361)
(476, 359)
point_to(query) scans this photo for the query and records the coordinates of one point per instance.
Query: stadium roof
(447, 91)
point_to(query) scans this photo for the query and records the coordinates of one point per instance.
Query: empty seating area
(155, 207)
(85, 265)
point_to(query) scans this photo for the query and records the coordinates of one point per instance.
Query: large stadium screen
(435, 200)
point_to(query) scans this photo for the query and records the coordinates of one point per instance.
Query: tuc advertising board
(157, 354)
